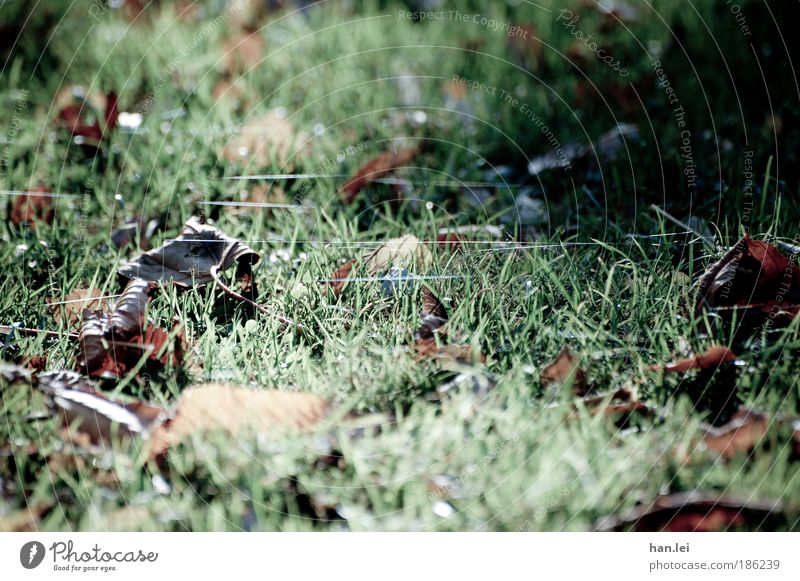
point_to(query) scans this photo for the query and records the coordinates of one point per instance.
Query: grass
(598, 271)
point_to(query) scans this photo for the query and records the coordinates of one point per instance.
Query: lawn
(678, 127)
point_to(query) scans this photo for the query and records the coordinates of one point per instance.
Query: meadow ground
(599, 257)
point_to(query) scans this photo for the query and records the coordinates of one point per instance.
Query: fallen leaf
(449, 242)
(376, 168)
(191, 259)
(69, 310)
(752, 271)
(565, 369)
(741, 434)
(213, 408)
(228, 90)
(93, 415)
(406, 252)
(34, 205)
(430, 340)
(714, 357)
(82, 116)
(698, 512)
(111, 344)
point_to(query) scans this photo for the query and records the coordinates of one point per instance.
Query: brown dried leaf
(697, 512)
(111, 344)
(405, 252)
(431, 338)
(376, 168)
(212, 408)
(190, 259)
(714, 357)
(741, 434)
(564, 370)
(91, 414)
(69, 311)
(32, 207)
(752, 271)
(80, 113)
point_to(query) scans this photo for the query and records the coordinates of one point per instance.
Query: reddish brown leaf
(111, 344)
(430, 341)
(714, 357)
(80, 113)
(339, 278)
(434, 315)
(751, 272)
(449, 242)
(69, 310)
(564, 370)
(697, 512)
(32, 207)
(376, 168)
(741, 434)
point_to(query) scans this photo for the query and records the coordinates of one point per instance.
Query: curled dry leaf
(191, 259)
(406, 252)
(751, 272)
(698, 512)
(565, 369)
(741, 434)
(69, 310)
(714, 357)
(31, 207)
(111, 344)
(86, 412)
(80, 113)
(744, 431)
(201, 410)
(376, 168)
(430, 340)
(213, 408)
(619, 402)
